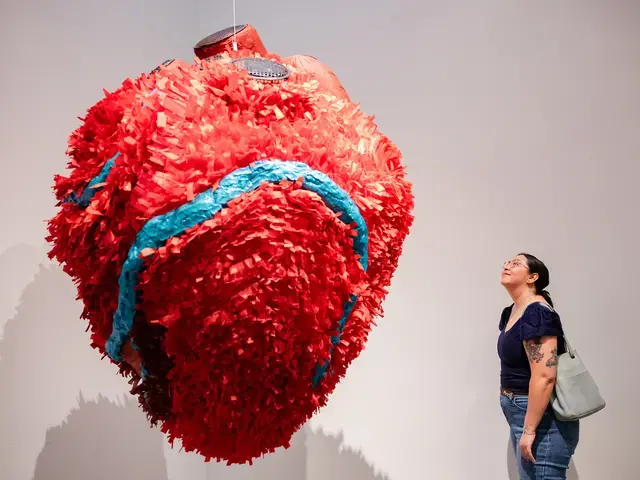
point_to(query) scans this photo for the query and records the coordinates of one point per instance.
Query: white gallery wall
(519, 124)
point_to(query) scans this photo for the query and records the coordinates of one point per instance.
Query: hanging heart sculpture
(232, 226)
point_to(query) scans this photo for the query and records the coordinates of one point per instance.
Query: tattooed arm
(543, 359)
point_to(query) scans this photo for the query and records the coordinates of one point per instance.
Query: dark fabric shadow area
(512, 466)
(102, 440)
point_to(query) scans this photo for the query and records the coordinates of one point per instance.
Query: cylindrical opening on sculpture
(246, 38)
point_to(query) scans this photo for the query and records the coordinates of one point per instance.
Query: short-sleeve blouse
(538, 320)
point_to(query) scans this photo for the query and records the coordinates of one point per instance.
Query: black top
(538, 320)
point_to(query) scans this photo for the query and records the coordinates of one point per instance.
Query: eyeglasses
(514, 264)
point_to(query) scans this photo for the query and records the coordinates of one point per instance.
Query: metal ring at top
(263, 69)
(219, 36)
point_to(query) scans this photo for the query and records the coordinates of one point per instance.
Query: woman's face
(516, 272)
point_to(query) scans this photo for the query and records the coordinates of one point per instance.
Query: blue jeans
(555, 442)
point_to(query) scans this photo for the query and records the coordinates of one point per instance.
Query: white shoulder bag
(576, 394)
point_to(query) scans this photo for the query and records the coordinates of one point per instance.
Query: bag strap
(567, 345)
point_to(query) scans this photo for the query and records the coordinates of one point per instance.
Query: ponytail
(547, 297)
(536, 266)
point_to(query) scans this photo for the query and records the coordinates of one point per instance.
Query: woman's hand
(526, 446)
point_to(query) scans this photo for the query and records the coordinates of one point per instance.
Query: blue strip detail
(321, 369)
(84, 199)
(158, 230)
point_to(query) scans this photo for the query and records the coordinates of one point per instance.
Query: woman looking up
(531, 338)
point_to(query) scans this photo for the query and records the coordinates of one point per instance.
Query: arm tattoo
(532, 347)
(553, 361)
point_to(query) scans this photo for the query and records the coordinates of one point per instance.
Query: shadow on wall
(102, 440)
(18, 266)
(312, 456)
(45, 359)
(329, 457)
(512, 466)
(32, 359)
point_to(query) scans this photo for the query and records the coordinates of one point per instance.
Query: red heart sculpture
(232, 226)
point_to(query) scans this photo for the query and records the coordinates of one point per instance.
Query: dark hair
(537, 266)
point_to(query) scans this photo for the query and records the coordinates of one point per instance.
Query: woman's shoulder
(540, 319)
(541, 308)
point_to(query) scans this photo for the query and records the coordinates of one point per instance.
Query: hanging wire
(235, 44)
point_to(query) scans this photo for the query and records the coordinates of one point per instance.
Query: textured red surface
(234, 314)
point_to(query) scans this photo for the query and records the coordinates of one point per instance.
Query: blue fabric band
(204, 206)
(84, 199)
